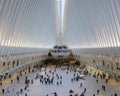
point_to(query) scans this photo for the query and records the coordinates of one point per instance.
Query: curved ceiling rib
(76, 23)
(92, 24)
(27, 23)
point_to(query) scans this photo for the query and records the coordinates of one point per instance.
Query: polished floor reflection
(66, 77)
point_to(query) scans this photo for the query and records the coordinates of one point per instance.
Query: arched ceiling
(92, 23)
(34, 23)
(28, 23)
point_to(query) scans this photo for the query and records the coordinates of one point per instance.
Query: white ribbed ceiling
(27, 23)
(92, 23)
(85, 23)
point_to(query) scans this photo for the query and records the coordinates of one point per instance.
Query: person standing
(25, 94)
(81, 84)
(55, 94)
(3, 91)
(85, 90)
(115, 94)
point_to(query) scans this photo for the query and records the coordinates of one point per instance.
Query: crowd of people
(50, 77)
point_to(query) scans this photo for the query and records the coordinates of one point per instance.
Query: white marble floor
(39, 89)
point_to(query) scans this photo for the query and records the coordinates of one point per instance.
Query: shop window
(17, 62)
(107, 65)
(13, 65)
(93, 61)
(3, 67)
(117, 64)
(3, 64)
(103, 63)
(8, 65)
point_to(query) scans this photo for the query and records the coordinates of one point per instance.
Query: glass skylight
(60, 8)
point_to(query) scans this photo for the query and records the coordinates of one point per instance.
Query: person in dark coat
(55, 94)
(3, 91)
(82, 94)
(115, 94)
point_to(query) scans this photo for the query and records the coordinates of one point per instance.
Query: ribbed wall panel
(26, 24)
